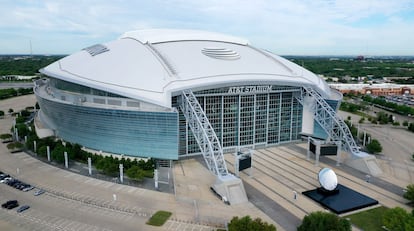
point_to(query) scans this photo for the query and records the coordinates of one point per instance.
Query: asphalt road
(397, 149)
(50, 212)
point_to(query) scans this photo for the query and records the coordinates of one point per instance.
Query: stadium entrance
(246, 116)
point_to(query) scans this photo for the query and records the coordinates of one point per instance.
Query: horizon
(282, 55)
(297, 27)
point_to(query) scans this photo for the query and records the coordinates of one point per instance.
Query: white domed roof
(153, 65)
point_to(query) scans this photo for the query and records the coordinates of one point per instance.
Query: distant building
(382, 89)
(17, 77)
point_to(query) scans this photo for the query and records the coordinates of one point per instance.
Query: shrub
(409, 193)
(15, 146)
(42, 151)
(246, 223)
(397, 219)
(323, 221)
(374, 147)
(135, 173)
(6, 136)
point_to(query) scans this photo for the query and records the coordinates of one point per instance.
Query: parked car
(23, 208)
(39, 192)
(2, 176)
(27, 188)
(5, 180)
(10, 204)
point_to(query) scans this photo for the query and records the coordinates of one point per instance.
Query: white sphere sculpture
(327, 179)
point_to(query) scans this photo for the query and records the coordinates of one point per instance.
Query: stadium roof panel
(175, 60)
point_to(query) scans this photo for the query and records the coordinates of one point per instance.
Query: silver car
(22, 208)
(39, 192)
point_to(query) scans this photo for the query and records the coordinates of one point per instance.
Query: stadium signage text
(249, 89)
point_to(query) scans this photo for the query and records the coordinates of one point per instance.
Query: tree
(247, 224)
(58, 153)
(396, 219)
(135, 173)
(22, 130)
(321, 221)
(409, 193)
(374, 146)
(42, 151)
(108, 165)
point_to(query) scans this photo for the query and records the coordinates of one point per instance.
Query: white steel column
(204, 134)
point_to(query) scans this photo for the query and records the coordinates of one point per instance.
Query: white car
(5, 180)
(28, 188)
(39, 192)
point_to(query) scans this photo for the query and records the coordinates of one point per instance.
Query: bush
(6, 136)
(411, 127)
(323, 221)
(15, 146)
(108, 165)
(405, 123)
(135, 173)
(247, 224)
(57, 153)
(42, 151)
(409, 193)
(22, 130)
(397, 219)
(374, 147)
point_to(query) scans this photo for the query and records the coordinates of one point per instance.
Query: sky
(284, 27)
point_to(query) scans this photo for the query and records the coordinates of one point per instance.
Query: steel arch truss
(332, 124)
(204, 134)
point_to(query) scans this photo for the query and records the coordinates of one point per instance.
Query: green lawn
(369, 220)
(159, 218)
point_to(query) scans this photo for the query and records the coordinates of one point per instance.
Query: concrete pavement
(278, 173)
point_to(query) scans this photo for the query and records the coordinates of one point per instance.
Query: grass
(159, 218)
(369, 220)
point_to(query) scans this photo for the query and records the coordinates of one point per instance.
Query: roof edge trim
(170, 35)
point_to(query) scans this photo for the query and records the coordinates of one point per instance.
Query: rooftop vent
(96, 49)
(220, 53)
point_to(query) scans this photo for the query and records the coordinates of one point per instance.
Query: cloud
(295, 26)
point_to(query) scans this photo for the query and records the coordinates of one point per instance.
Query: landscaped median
(159, 218)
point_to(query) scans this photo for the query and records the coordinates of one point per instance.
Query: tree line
(18, 65)
(377, 68)
(11, 92)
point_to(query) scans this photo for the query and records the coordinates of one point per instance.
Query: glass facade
(246, 116)
(318, 131)
(242, 116)
(129, 132)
